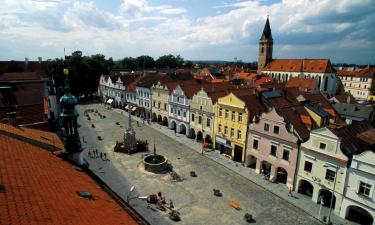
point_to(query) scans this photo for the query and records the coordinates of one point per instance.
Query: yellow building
(233, 113)
(159, 98)
(202, 112)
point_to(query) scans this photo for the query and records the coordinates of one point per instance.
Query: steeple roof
(267, 35)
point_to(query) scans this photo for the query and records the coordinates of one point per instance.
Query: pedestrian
(101, 155)
(90, 154)
(171, 204)
(96, 153)
(290, 192)
(105, 156)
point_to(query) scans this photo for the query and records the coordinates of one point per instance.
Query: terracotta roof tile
(298, 65)
(41, 188)
(304, 84)
(19, 76)
(368, 72)
(44, 137)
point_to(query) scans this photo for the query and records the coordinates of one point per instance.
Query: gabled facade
(201, 117)
(321, 162)
(179, 111)
(111, 90)
(273, 147)
(359, 197)
(231, 119)
(160, 104)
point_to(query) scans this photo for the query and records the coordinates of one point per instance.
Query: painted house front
(232, 116)
(160, 97)
(179, 111)
(273, 146)
(321, 163)
(358, 204)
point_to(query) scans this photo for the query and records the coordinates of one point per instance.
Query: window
(178, 99)
(233, 116)
(273, 150)
(219, 128)
(286, 155)
(208, 123)
(171, 110)
(165, 106)
(220, 112)
(364, 189)
(330, 175)
(239, 134)
(225, 130)
(159, 105)
(192, 117)
(322, 146)
(178, 112)
(239, 117)
(308, 166)
(200, 120)
(266, 127)
(226, 113)
(232, 132)
(255, 144)
(276, 129)
(184, 114)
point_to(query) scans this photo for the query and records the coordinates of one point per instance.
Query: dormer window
(322, 146)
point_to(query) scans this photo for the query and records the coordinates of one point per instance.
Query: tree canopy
(84, 72)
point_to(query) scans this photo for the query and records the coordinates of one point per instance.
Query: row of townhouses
(288, 135)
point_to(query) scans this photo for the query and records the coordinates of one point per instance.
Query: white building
(111, 90)
(319, 69)
(358, 83)
(283, 69)
(321, 163)
(358, 204)
(179, 108)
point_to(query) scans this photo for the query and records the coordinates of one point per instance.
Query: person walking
(101, 155)
(290, 192)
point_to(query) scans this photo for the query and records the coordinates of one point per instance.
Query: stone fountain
(155, 163)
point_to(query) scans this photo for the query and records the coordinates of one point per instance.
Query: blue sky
(342, 30)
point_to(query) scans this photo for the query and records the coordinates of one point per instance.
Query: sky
(341, 30)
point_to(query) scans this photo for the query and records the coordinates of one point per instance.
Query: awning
(223, 142)
(134, 108)
(127, 107)
(110, 101)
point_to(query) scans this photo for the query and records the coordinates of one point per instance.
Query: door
(237, 154)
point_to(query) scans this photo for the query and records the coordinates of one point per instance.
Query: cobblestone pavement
(193, 197)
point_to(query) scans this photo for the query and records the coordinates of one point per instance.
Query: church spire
(267, 35)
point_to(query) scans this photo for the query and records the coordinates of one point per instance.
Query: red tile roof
(244, 75)
(368, 72)
(34, 135)
(304, 84)
(19, 76)
(41, 188)
(300, 65)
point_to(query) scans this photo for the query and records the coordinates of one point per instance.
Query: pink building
(274, 139)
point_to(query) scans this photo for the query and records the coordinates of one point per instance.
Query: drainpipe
(297, 164)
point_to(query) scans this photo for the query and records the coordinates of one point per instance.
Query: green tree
(128, 63)
(169, 61)
(144, 62)
(188, 64)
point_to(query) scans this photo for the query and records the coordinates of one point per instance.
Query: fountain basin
(155, 163)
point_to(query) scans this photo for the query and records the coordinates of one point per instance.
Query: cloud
(173, 11)
(300, 28)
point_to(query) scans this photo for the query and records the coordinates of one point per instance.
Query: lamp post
(132, 188)
(333, 191)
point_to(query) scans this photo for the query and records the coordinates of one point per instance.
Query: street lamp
(333, 191)
(132, 188)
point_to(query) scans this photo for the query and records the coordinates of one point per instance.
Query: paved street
(193, 197)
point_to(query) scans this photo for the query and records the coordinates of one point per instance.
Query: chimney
(26, 63)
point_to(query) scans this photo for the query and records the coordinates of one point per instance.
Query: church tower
(265, 47)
